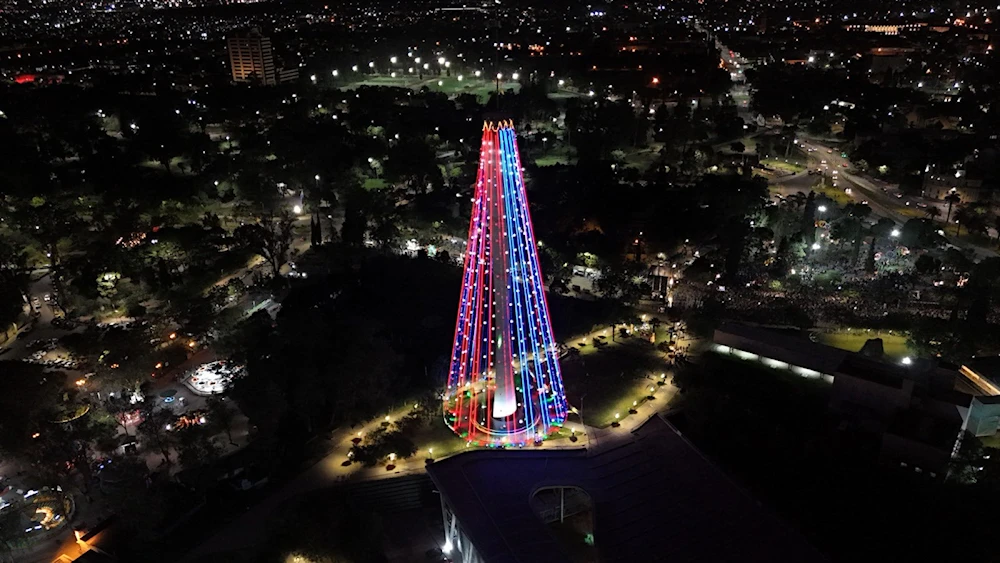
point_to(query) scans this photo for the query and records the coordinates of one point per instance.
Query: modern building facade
(647, 496)
(920, 409)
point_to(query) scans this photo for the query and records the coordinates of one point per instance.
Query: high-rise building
(504, 383)
(251, 59)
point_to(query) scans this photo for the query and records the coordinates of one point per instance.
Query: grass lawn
(787, 166)
(836, 194)
(437, 440)
(975, 238)
(912, 212)
(554, 156)
(374, 183)
(175, 167)
(450, 85)
(554, 159)
(611, 378)
(390, 81)
(565, 94)
(643, 158)
(991, 441)
(893, 342)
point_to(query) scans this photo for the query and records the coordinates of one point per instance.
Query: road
(884, 199)
(735, 64)
(256, 524)
(41, 328)
(830, 163)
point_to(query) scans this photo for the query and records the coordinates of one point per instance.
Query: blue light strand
(530, 280)
(526, 278)
(551, 357)
(523, 305)
(513, 274)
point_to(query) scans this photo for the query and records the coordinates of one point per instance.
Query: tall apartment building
(251, 59)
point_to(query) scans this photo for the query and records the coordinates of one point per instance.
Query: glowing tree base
(504, 383)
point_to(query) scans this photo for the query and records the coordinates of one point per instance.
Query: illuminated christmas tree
(504, 383)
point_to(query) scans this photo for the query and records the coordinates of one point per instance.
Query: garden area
(556, 156)
(606, 377)
(894, 342)
(784, 165)
(450, 85)
(838, 195)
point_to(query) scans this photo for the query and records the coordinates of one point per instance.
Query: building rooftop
(932, 377)
(926, 429)
(656, 498)
(812, 355)
(987, 367)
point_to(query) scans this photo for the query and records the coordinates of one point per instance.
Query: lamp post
(583, 425)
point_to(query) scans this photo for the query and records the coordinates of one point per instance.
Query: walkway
(256, 525)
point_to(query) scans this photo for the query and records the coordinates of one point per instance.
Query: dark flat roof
(803, 352)
(933, 378)
(875, 371)
(656, 498)
(986, 366)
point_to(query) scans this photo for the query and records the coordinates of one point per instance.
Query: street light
(821, 209)
(815, 246)
(393, 60)
(441, 60)
(335, 73)
(297, 209)
(894, 233)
